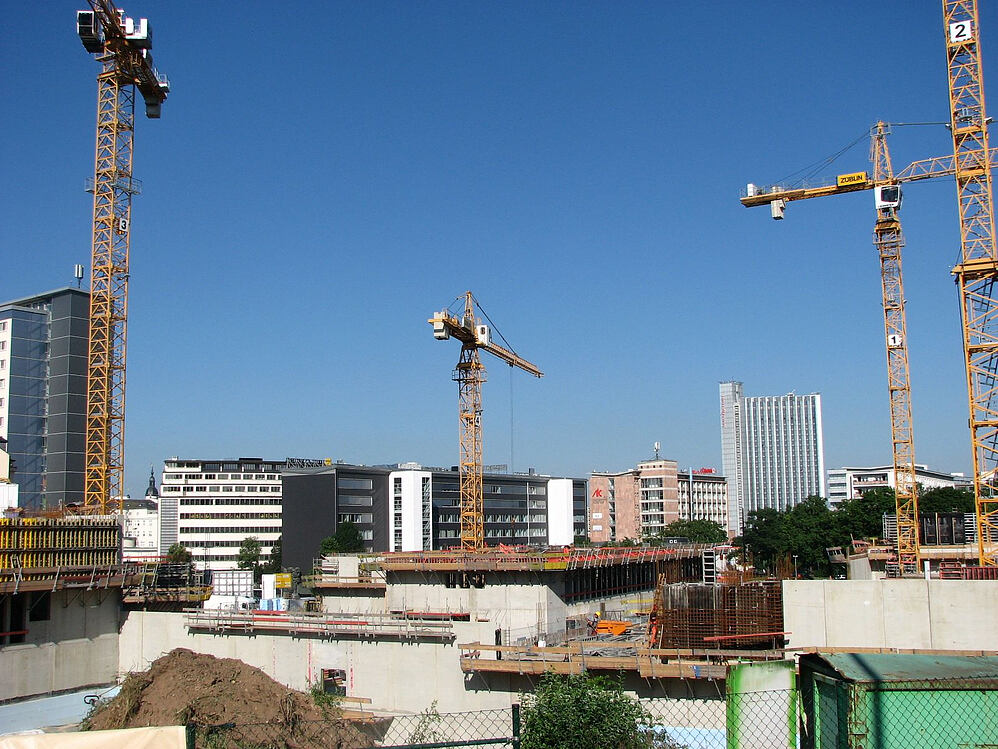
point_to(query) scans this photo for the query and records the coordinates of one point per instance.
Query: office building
(851, 482)
(771, 451)
(633, 504)
(703, 495)
(211, 506)
(43, 385)
(409, 507)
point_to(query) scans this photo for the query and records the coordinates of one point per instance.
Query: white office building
(212, 506)
(851, 482)
(771, 450)
(703, 495)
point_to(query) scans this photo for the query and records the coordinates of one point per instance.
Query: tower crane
(123, 48)
(889, 242)
(469, 374)
(977, 270)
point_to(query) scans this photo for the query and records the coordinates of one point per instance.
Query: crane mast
(123, 49)
(977, 269)
(470, 374)
(889, 241)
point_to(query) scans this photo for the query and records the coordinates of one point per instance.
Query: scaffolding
(372, 626)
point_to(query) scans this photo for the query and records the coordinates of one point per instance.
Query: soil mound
(230, 702)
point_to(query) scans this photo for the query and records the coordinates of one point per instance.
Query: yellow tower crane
(977, 270)
(469, 374)
(889, 242)
(123, 48)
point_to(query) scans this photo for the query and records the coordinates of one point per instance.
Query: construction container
(898, 701)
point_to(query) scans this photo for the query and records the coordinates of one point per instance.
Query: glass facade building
(43, 381)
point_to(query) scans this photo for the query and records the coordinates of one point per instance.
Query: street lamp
(795, 566)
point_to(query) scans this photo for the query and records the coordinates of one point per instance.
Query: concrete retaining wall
(927, 614)
(76, 647)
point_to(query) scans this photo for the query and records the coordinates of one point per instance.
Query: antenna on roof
(658, 447)
(78, 274)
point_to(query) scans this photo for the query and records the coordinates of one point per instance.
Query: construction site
(476, 625)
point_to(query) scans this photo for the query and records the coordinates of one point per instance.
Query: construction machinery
(889, 242)
(977, 269)
(123, 48)
(470, 374)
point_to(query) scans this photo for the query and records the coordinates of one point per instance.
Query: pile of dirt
(230, 702)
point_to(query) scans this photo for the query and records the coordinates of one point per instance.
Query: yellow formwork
(78, 541)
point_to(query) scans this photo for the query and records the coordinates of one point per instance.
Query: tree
(863, 517)
(346, 540)
(248, 557)
(584, 712)
(274, 563)
(178, 554)
(946, 499)
(805, 532)
(697, 531)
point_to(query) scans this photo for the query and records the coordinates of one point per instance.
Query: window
(347, 483)
(350, 500)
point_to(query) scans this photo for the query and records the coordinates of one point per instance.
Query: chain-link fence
(486, 728)
(832, 714)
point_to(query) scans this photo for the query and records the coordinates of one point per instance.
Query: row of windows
(230, 516)
(498, 519)
(228, 501)
(250, 489)
(230, 544)
(252, 467)
(247, 530)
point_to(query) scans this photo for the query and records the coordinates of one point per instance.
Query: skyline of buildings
(772, 451)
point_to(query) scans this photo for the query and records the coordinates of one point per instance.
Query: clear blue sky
(326, 175)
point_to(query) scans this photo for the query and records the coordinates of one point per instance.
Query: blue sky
(326, 175)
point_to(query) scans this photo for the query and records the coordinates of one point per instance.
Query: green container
(896, 701)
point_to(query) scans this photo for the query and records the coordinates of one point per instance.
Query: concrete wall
(76, 647)
(933, 614)
(397, 676)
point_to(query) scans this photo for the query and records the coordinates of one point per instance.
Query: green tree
(178, 554)
(863, 517)
(274, 563)
(946, 499)
(248, 557)
(346, 540)
(697, 531)
(584, 712)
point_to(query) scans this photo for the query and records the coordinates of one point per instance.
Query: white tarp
(161, 737)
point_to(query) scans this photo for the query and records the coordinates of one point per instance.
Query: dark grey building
(318, 497)
(408, 507)
(43, 386)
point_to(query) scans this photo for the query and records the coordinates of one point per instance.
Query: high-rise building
(771, 451)
(43, 394)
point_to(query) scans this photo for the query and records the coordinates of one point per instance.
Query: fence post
(516, 725)
(191, 732)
